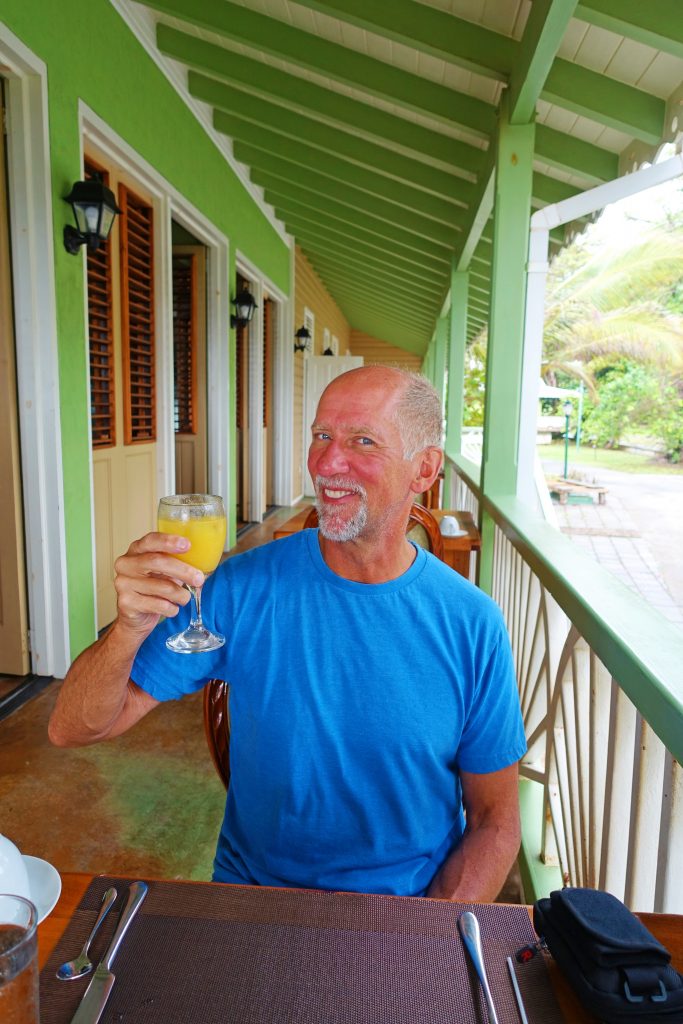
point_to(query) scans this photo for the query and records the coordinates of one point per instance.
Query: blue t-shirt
(352, 707)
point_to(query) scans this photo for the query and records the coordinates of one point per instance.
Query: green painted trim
(288, 176)
(347, 257)
(606, 101)
(333, 60)
(260, 123)
(334, 215)
(480, 212)
(584, 159)
(543, 34)
(538, 879)
(468, 470)
(304, 160)
(658, 25)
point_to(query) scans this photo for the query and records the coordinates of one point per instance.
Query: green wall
(92, 56)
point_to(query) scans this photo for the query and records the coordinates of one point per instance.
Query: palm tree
(612, 303)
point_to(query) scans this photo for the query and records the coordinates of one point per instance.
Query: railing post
(514, 170)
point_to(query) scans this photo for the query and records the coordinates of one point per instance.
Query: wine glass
(200, 518)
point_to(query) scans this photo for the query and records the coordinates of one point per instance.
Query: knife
(94, 1001)
(471, 936)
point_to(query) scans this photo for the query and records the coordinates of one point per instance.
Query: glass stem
(196, 622)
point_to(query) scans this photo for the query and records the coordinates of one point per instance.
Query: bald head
(416, 408)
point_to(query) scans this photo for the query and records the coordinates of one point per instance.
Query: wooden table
(668, 928)
(457, 550)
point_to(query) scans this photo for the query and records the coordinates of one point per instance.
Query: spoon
(82, 965)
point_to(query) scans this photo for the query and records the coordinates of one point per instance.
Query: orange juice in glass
(200, 518)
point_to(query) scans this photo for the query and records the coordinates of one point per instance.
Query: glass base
(194, 640)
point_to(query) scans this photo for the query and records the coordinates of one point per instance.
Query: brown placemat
(223, 954)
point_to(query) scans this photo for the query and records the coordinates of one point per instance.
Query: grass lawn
(606, 458)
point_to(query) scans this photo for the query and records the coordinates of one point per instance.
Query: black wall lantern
(94, 209)
(328, 351)
(302, 340)
(244, 304)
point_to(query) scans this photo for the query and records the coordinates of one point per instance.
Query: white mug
(13, 874)
(449, 527)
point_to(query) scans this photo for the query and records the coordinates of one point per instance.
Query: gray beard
(330, 524)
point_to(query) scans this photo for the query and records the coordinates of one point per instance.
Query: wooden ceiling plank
(657, 24)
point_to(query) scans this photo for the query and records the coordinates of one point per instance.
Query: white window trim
(30, 191)
(283, 355)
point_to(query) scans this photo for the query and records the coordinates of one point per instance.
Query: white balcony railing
(599, 675)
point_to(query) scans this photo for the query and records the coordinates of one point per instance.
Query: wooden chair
(217, 726)
(423, 528)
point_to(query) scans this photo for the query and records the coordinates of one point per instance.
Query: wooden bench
(564, 488)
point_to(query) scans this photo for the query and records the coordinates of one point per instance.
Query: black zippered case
(616, 967)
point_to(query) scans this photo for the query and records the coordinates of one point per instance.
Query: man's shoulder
(274, 554)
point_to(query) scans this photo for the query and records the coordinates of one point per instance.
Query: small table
(457, 550)
(668, 928)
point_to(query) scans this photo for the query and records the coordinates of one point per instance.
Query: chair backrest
(422, 527)
(216, 691)
(217, 726)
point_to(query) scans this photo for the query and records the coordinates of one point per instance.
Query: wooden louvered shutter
(137, 302)
(101, 337)
(185, 344)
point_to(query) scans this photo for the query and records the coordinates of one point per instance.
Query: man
(371, 688)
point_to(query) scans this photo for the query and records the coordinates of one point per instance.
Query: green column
(456, 359)
(512, 211)
(441, 356)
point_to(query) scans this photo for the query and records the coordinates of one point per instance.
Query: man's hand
(98, 700)
(476, 870)
(150, 582)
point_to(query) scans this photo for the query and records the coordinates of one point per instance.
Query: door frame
(37, 359)
(283, 354)
(170, 205)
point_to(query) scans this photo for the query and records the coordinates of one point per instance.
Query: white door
(320, 370)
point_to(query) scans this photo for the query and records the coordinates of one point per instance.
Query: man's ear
(428, 465)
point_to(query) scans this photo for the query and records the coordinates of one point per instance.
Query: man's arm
(476, 870)
(98, 700)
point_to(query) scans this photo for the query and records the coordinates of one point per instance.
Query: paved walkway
(637, 534)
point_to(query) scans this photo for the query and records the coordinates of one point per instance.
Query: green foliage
(475, 384)
(635, 399)
(615, 302)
